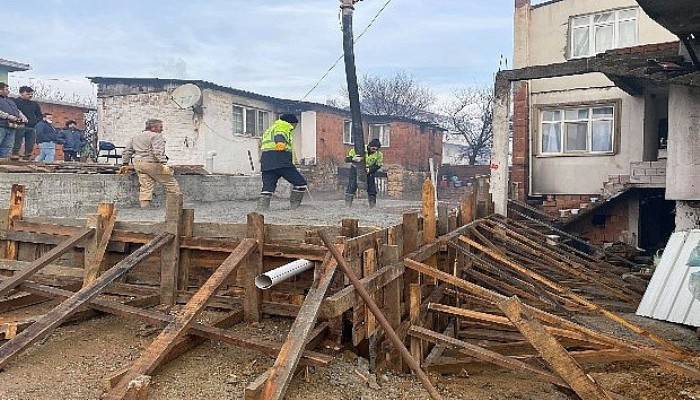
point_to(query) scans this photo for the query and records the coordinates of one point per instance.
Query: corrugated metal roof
(668, 296)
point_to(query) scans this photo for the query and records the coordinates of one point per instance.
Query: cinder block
(658, 179)
(658, 164)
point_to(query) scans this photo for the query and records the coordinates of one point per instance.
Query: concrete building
(7, 66)
(228, 123)
(592, 135)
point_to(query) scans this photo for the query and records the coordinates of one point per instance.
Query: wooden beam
(170, 255)
(414, 306)
(57, 315)
(429, 217)
(157, 351)
(186, 232)
(14, 214)
(485, 355)
(369, 266)
(286, 362)
(552, 351)
(103, 223)
(154, 317)
(46, 259)
(254, 267)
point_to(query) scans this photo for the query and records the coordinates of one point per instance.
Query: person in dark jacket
(26, 134)
(73, 141)
(46, 138)
(11, 118)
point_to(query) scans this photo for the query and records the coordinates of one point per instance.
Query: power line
(357, 39)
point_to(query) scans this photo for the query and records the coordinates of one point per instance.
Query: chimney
(521, 25)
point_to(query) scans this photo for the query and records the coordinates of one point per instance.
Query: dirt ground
(73, 362)
(317, 212)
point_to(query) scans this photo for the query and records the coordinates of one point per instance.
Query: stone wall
(74, 194)
(404, 184)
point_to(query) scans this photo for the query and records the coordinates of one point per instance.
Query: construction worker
(374, 159)
(147, 149)
(276, 161)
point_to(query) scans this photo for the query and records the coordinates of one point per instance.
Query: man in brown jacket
(147, 149)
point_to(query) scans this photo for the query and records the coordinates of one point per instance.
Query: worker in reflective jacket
(276, 161)
(374, 159)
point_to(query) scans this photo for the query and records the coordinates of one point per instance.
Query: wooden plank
(413, 314)
(254, 267)
(157, 351)
(467, 208)
(208, 332)
(410, 244)
(95, 251)
(170, 255)
(14, 214)
(552, 351)
(369, 266)
(186, 261)
(429, 217)
(287, 360)
(57, 315)
(486, 355)
(7, 285)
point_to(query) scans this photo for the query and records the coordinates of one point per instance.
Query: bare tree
(470, 117)
(45, 91)
(399, 95)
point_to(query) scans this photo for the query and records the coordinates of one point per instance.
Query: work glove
(357, 159)
(280, 146)
(125, 169)
(165, 170)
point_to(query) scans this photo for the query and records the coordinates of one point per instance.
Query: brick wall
(553, 203)
(521, 141)
(614, 227)
(63, 113)
(648, 173)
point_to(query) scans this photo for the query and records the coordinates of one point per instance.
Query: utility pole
(347, 7)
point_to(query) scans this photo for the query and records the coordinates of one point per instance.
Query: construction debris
(440, 292)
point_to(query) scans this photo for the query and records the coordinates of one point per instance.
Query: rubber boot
(348, 199)
(145, 203)
(372, 201)
(295, 199)
(263, 203)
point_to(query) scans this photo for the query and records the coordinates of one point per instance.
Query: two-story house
(589, 141)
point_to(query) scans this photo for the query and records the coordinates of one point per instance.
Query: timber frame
(457, 286)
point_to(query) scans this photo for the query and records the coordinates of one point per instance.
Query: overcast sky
(275, 47)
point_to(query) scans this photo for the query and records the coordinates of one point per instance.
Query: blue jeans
(47, 152)
(7, 141)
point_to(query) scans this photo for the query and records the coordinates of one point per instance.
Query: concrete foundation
(77, 194)
(687, 215)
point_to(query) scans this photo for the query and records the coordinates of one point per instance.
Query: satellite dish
(188, 95)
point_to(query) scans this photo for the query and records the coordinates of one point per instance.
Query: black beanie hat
(291, 118)
(375, 143)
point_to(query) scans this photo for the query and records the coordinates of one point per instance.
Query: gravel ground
(318, 212)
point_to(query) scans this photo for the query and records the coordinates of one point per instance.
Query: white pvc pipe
(280, 274)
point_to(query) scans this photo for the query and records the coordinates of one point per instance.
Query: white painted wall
(306, 139)
(683, 165)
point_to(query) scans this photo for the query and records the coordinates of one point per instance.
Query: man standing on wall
(11, 118)
(46, 138)
(276, 161)
(374, 159)
(27, 134)
(147, 149)
(73, 141)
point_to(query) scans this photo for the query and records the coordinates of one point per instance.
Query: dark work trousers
(70, 155)
(352, 186)
(290, 174)
(26, 135)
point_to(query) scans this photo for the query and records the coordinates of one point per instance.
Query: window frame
(347, 129)
(259, 129)
(592, 26)
(384, 133)
(615, 104)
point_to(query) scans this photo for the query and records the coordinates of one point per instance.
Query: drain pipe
(271, 278)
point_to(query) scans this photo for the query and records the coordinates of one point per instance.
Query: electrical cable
(357, 38)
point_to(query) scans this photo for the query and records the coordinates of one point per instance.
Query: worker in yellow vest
(374, 159)
(276, 161)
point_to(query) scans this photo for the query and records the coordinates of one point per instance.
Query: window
(381, 132)
(249, 121)
(597, 33)
(347, 132)
(578, 130)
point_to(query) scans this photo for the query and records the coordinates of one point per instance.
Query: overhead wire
(337, 61)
